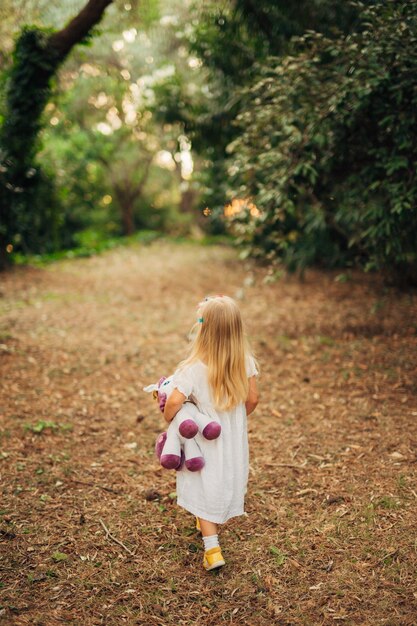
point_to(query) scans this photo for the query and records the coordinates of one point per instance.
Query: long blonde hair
(219, 341)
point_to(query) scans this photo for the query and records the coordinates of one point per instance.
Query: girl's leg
(209, 532)
(208, 529)
(213, 557)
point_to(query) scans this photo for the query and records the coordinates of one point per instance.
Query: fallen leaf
(59, 556)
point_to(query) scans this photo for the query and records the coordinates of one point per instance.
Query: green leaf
(59, 556)
(280, 557)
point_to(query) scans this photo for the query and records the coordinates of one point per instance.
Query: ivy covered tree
(25, 216)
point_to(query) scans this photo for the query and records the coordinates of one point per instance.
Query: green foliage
(326, 148)
(88, 243)
(27, 92)
(232, 39)
(96, 134)
(103, 165)
(41, 425)
(280, 557)
(28, 219)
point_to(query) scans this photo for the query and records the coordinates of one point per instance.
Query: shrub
(326, 149)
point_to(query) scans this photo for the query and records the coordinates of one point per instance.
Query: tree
(326, 149)
(118, 165)
(232, 39)
(37, 56)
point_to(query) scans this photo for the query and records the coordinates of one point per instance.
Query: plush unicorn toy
(177, 445)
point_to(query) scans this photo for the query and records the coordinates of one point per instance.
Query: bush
(326, 148)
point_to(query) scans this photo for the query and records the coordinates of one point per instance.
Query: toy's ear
(150, 388)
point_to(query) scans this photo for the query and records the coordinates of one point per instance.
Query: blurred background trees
(291, 126)
(314, 111)
(101, 163)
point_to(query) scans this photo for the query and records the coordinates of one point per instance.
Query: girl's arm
(252, 399)
(173, 404)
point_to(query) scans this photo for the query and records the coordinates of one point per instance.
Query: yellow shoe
(197, 524)
(213, 558)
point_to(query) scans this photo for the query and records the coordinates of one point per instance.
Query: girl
(219, 377)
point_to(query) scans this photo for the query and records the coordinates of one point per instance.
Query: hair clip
(218, 295)
(200, 320)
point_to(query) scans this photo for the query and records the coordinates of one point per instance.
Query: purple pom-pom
(212, 430)
(195, 464)
(188, 429)
(159, 444)
(170, 461)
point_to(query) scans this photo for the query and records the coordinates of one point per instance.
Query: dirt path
(330, 531)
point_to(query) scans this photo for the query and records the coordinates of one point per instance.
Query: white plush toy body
(177, 445)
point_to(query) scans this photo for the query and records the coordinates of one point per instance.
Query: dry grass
(330, 532)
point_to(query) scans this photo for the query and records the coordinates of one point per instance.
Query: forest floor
(330, 531)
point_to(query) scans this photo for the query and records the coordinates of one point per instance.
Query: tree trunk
(187, 203)
(126, 202)
(77, 29)
(127, 217)
(127, 195)
(4, 261)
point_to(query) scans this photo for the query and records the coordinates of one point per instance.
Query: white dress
(217, 492)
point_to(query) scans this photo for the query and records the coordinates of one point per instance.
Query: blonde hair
(219, 341)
